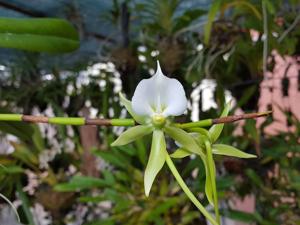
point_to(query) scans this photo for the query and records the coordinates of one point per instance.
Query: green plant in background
(123, 186)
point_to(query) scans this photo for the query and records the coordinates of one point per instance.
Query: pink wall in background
(273, 96)
(279, 92)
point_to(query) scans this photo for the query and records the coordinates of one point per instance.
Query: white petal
(159, 94)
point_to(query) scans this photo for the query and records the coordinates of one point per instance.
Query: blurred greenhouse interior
(246, 52)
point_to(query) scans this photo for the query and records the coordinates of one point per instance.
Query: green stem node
(67, 120)
(123, 122)
(10, 117)
(201, 123)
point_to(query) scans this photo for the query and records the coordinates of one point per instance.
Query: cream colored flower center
(158, 120)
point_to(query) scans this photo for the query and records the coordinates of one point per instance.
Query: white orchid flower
(154, 102)
(159, 97)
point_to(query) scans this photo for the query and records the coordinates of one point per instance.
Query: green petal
(132, 134)
(184, 139)
(156, 160)
(220, 149)
(180, 153)
(216, 130)
(128, 106)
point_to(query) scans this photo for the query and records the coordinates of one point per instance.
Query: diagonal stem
(187, 191)
(12, 206)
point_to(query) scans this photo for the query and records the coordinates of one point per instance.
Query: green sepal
(132, 134)
(180, 153)
(184, 139)
(128, 106)
(221, 149)
(216, 130)
(156, 160)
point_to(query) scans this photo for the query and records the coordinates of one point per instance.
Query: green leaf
(127, 104)
(11, 169)
(255, 178)
(43, 35)
(132, 134)
(210, 19)
(162, 208)
(24, 153)
(141, 151)
(240, 4)
(270, 6)
(184, 139)
(180, 153)
(187, 18)
(156, 160)
(78, 183)
(38, 139)
(113, 158)
(25, 204)
(91, 199)
(221, 149)
(216, 130)
(239, 215)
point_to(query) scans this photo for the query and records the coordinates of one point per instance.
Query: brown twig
(234, 118)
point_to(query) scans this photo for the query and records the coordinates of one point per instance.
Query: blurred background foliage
(70, 175)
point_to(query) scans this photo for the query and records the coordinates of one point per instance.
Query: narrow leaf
(128, 106)
(25, 204)
(270, 6)
(221, 149)
(132, 134)
(216, 130)
(156, 160)
(43, 35)
(11, 169)
(112, 158)
(180, 153)
(81, 183)
(187, 18)
(210, 19)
